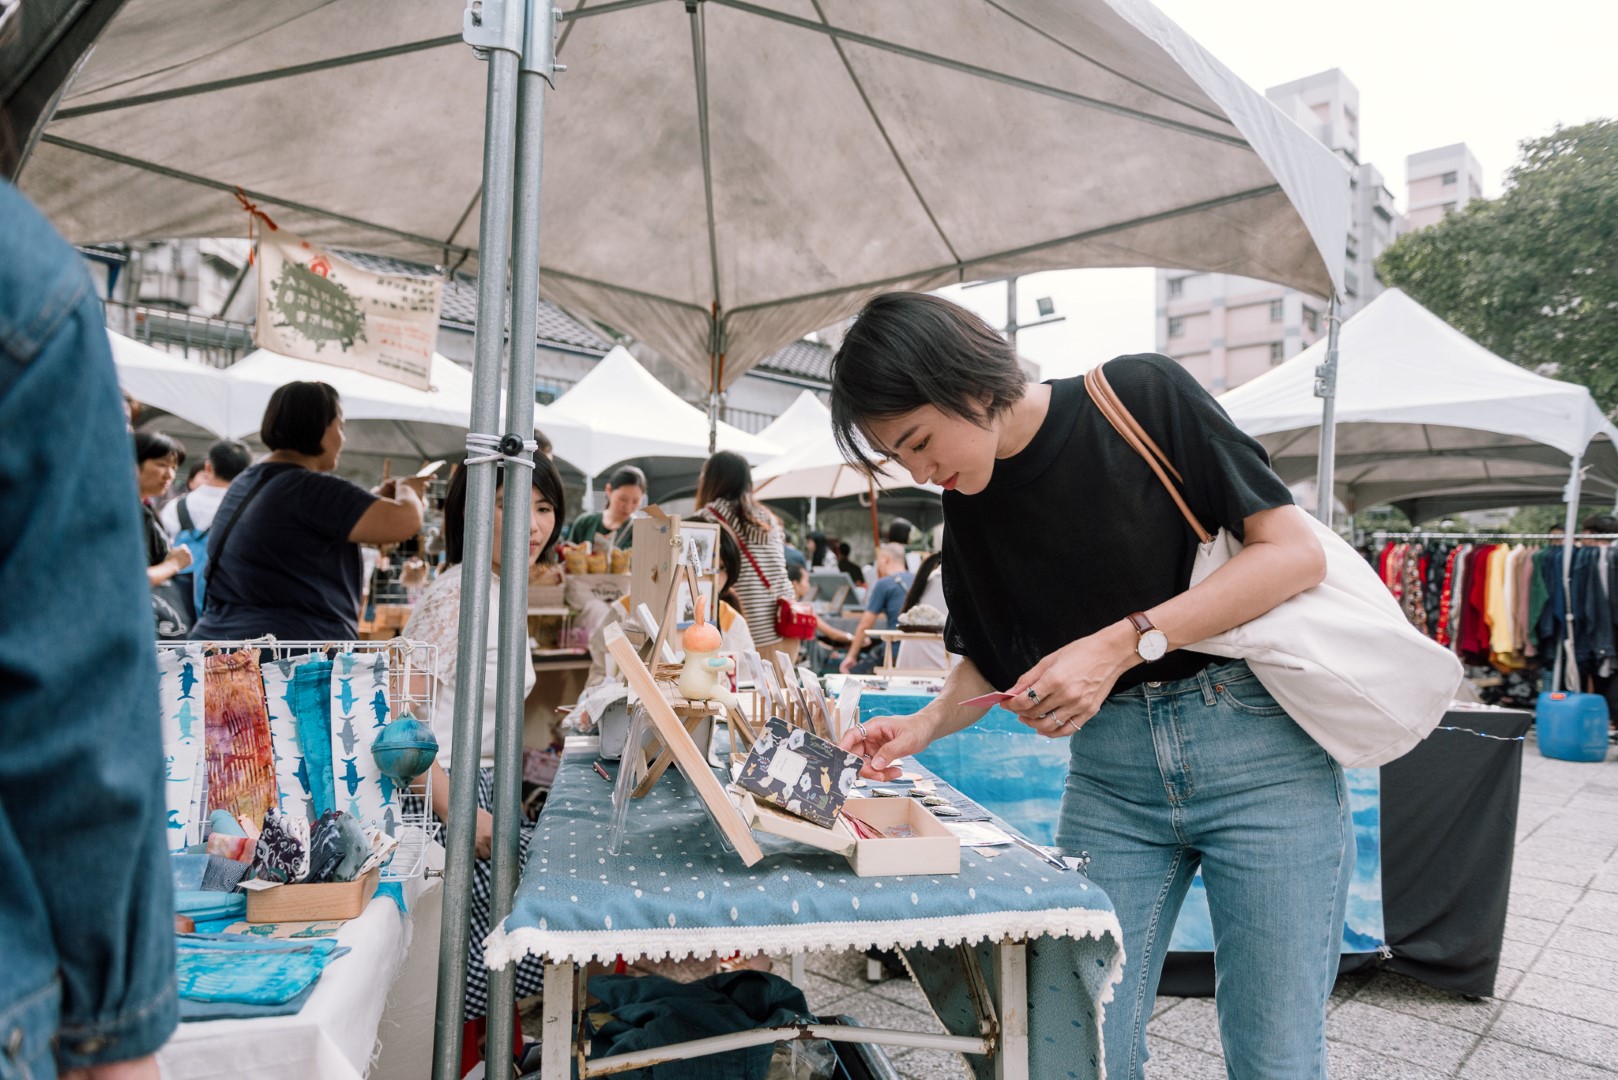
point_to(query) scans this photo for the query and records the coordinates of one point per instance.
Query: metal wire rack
(417, 830)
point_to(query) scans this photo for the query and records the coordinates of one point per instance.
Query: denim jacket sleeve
(86, 911)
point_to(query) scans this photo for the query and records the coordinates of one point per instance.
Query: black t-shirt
(287, 567)
(1075, 532)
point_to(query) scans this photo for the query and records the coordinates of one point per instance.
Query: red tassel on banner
(254, 215)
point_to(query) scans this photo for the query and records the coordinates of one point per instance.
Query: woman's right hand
(883, 740)
(180, 557)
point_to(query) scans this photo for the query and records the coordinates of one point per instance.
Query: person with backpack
(188, 518)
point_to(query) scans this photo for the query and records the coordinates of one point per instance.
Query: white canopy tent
(193, 392)
(620, 411)
(806, 419)
(1426, 417)
(734, 230)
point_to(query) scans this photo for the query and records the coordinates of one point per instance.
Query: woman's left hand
(1069, 685)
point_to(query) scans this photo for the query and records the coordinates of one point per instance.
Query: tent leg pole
(812, 502)
(536, 69)
(1326, 389)
(1569, 669)
(499, 159)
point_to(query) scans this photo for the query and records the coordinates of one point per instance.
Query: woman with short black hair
(1084, 613)
(283, 552)
(609, 527)
(158, 458)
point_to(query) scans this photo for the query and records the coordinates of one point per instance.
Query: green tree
(1532, 275)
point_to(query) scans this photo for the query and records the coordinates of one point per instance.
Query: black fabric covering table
(1449, 826)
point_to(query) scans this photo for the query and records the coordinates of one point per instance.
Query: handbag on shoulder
(793, 619)
(1340, 657)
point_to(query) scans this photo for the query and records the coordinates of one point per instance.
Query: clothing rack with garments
(1512, 600)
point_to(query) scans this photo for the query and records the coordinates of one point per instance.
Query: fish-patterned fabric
(311, 706)
(293, 788)
(359, 712)
(181, 689)
(241, 768)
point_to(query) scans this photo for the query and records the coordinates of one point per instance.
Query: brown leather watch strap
(1140, 622)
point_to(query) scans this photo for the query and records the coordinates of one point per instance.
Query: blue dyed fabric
(247, 969)
(193, 1011)
(675, 890)
(203, 904)
(311, 704)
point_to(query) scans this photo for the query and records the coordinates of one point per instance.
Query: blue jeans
(1210, 770)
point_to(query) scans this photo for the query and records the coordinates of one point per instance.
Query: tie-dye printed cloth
(181, 693)
(241, 766)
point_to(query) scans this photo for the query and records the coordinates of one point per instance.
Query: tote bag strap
(1106, 399)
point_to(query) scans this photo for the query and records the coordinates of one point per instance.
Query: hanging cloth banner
(316, 306)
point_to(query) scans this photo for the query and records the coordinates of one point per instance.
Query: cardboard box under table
(674, 890)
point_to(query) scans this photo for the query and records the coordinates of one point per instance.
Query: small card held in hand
(800, 772)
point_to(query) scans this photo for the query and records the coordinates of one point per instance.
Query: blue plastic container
(1572, 727)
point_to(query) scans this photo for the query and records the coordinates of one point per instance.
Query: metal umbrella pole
(1569, 668)
(1326, 389)
(537, 67)
(494, 29)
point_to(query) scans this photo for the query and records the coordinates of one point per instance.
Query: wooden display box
(312, 903)
(932, 850)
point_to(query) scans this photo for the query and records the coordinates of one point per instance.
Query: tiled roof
(554, 326)
(803, 358)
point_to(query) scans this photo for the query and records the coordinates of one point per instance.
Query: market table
(336, 1034)
(1040, 944)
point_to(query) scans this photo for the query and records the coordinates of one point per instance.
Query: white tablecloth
(336, 1034)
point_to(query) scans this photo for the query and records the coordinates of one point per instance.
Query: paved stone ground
(1555, 1016)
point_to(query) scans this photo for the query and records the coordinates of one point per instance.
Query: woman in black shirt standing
(1179, 759)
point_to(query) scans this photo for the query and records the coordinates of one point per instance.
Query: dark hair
(908, 349)
(229, 459)
(730, 557)
(924, 573)
(543, 441)
(627, 474)
(796, 572)
(547, 481)
(1601, 523)
(196, 467)
(154, 445)
(727, 476)
(843, 549)
(298, 415)
(899, 531)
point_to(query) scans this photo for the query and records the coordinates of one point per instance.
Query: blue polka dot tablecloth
(674, 892)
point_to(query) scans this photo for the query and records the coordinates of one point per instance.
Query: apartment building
(1228, 329)
(1438, 181)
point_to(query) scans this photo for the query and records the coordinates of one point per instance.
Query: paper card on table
(983, 701)
(799, 771)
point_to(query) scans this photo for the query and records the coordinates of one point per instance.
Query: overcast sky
(1429, 73)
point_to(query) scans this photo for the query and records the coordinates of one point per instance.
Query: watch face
(1152, 645)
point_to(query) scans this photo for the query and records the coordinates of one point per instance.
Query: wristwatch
(1150, 642)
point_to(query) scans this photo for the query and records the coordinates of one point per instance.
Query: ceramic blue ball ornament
(405, 748)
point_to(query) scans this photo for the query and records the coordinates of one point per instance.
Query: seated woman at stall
(283, 551)
(609, 528)
(927, 590)
(436, 621)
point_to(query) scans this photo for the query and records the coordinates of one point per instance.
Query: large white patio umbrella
(196, 393)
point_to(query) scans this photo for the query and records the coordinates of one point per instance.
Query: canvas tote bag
(1341, 658)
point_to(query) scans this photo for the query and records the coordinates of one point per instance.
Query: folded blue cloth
(207, 904)
(191, 1011)
(394, 890)
(247, 969)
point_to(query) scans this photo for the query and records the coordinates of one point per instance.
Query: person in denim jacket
(87, 983)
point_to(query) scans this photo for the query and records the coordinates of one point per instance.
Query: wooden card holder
(691, 760)
(932, 849)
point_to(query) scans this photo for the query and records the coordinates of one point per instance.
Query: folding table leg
(1011, 986)
(556, 1011)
